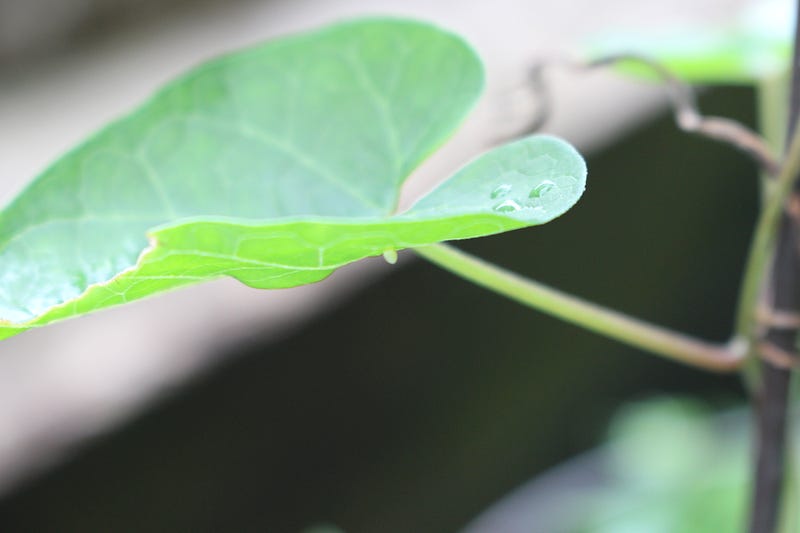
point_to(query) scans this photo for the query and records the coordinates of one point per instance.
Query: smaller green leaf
(756, 46)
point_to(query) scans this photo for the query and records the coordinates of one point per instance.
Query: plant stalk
(783, 291)
(618, 326)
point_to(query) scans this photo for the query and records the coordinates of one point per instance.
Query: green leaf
(755, 47)
(275, 165)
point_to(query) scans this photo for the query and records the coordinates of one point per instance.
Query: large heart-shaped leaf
(274, 165)
(756, 46)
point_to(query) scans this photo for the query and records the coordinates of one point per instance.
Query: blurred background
(384, 399)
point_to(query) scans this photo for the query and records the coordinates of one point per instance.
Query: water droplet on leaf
(507, 206)
(390, 256)
(544, 188)
(500, 191)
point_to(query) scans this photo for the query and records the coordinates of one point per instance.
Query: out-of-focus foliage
(670, 465)
(756, 46)
(673, 467)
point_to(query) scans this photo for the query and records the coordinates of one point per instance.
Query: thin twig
(684, 104)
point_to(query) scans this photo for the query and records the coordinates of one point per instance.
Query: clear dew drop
(543, 189)
(500, 191)
(390, 256)
(507, 206)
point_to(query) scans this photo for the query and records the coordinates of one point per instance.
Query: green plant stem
(771, 98)
(758, 260)
(764, 241)
(655, 339)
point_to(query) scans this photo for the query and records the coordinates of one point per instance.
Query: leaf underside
(275, 165)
